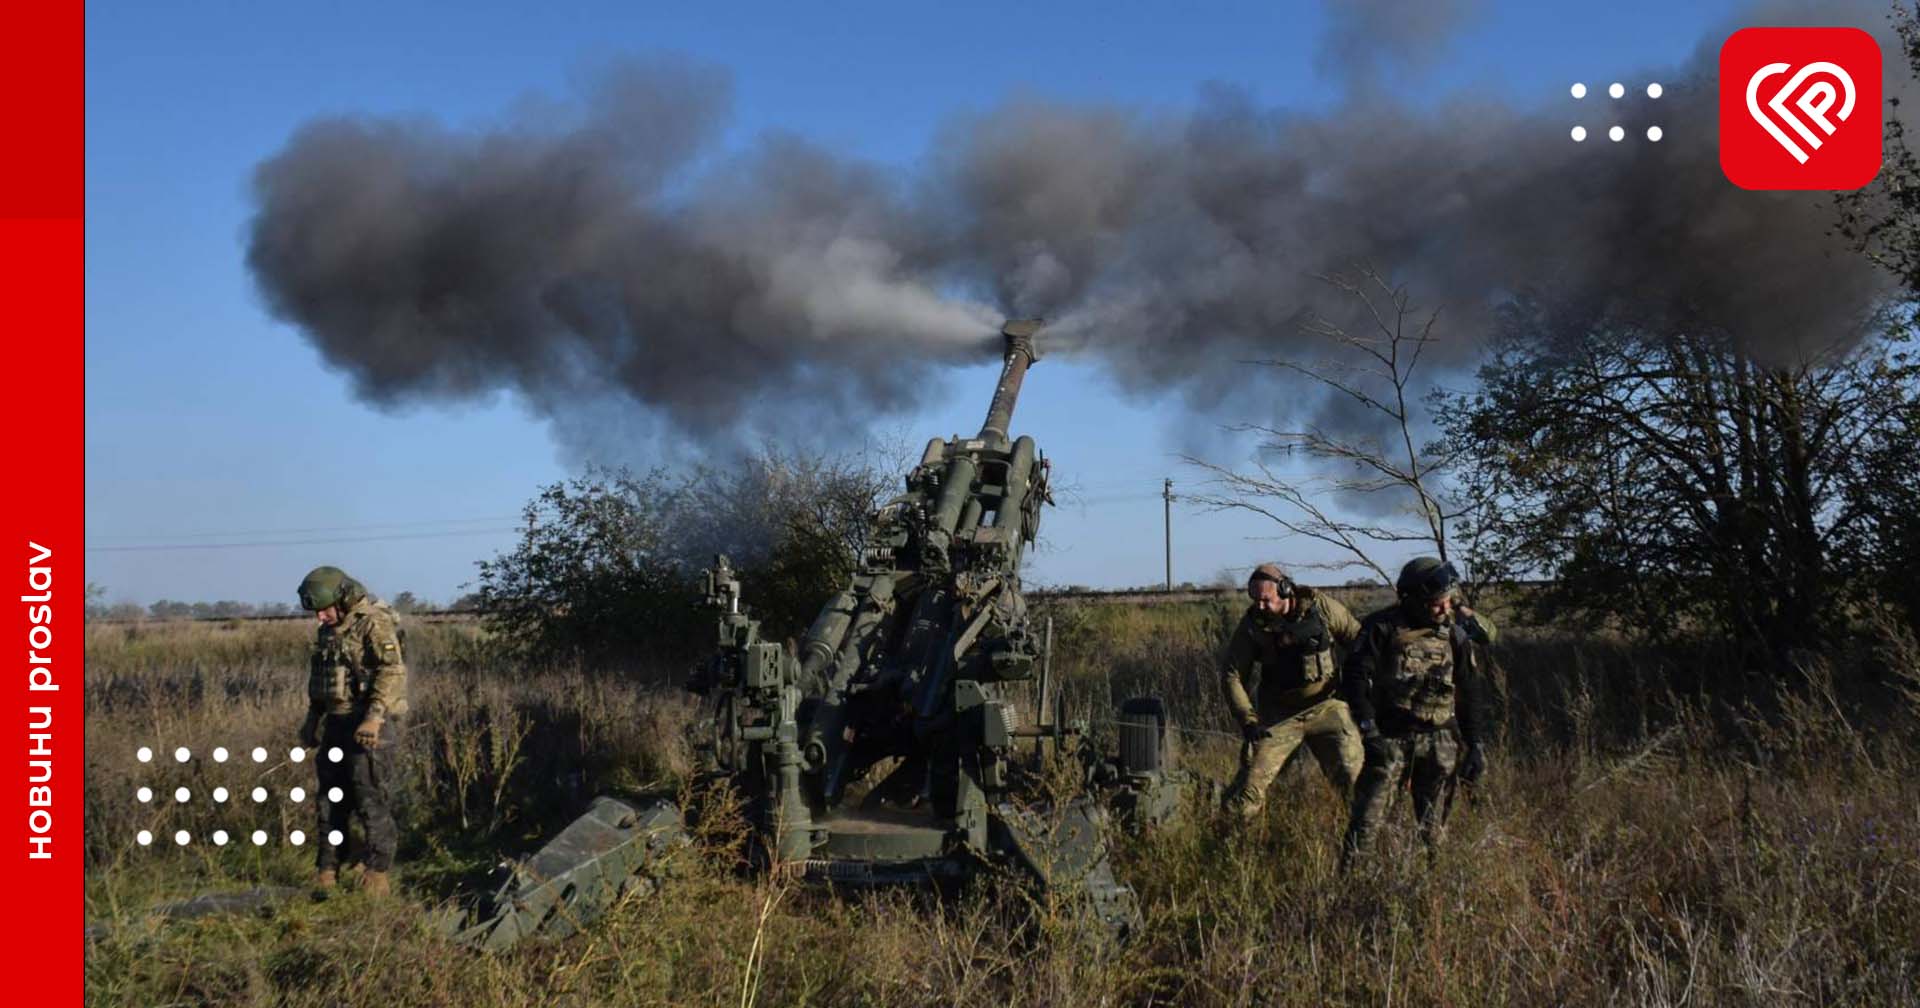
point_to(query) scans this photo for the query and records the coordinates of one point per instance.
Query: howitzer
(914, 666)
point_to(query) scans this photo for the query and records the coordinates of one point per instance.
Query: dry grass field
(1652, 832)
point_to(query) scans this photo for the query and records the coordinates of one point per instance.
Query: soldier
(1415, 693)
(356, 696)
(1286, 640)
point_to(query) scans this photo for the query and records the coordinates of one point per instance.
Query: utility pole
(1166, 495)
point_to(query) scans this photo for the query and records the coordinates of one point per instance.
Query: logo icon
(1800, 108)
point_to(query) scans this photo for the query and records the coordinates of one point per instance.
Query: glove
(1252, 732)
(310, 730)
(1474, 765)
(368, 734)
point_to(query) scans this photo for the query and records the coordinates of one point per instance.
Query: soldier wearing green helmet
(1414, 687)
(356, 697)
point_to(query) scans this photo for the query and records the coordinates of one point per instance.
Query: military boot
(374, 883)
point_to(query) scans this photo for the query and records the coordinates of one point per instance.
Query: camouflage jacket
(1287, 662)
(356, 666)
(1409, 678)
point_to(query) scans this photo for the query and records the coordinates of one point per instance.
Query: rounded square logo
(1800, 108)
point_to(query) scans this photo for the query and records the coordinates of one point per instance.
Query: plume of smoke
(1367, 38)
(605, 252)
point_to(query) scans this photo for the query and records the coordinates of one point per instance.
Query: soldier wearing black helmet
(1414, 688)
(356, 697)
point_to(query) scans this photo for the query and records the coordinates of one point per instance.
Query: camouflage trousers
(1329, 733)
(1426, 759)
(365, 778)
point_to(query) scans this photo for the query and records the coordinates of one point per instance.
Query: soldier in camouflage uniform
(1284, 643)
(1415, 691)
(356, 698)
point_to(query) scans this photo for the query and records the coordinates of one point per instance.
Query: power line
(158, 547)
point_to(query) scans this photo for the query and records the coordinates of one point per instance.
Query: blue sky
(210, 423)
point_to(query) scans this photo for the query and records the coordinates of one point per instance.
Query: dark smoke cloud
(604, 255)
(1366, 39)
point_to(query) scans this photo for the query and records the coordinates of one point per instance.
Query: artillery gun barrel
(1019, 334)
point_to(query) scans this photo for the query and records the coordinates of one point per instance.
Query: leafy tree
(1668, 480)
(608, 564)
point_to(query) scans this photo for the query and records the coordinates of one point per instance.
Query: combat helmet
(328, 586)
(1426, 578)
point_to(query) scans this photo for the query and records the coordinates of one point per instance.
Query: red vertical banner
(42, 507)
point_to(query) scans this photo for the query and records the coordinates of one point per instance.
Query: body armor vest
(338, 678)
(1294, 662)
(1419, 674)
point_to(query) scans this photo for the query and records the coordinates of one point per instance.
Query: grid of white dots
(182, 794)
(145, 794)
(144, 755)
(334, 755)
(297, 795)
(259, 794)
(336, 838)
(182, 838)
(181, 755)
(1615, 90)
(219, 838)
(143, 838)
(296, 838)
(259, 838)
(334, 794)
(219, 794)
(219, 754)
(296, 754)
(259, 754)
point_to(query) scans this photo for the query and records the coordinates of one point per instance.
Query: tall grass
(1653, 832)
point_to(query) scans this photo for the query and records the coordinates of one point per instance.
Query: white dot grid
(1616, 90)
